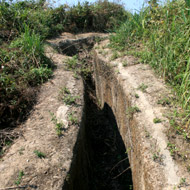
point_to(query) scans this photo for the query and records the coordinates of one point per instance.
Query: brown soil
(39, 133)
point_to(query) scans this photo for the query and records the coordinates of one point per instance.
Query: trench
(100, 159)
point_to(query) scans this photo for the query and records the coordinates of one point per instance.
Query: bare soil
(39, 133)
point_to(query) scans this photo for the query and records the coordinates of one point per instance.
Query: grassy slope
(160, 36)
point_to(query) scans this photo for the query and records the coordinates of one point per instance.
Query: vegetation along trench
(127, 116)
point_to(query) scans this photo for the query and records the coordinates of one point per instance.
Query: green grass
(142, 87)
(72, 118)
(23, 65)
(157, 120)
(163, 35)
(19, 179)
(39, 154)
(131, 110)
(58, 125)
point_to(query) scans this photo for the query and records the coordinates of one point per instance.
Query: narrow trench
(109, 164)
(100, 161)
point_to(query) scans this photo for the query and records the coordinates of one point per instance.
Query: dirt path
(21, 165)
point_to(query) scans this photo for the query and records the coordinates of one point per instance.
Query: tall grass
(164, 32)
(164, 35)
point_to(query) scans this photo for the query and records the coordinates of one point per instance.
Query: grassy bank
(159, 36)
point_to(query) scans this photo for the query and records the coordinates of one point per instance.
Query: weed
(172, 148)
(157, 120)
(114, 56)
(66, 97)
(147, 134)
(72, 118)
(125, 64)
(65, 90)
(39, 154)
(71, 63)
(69, 99)
(164, 101)
(142, 87)
(132, 110)
(20, 175)
(164, 45)
(136, 96)
(75, 75)
(58, 125)
(155, 156)
(182, 182)
(21, 151)
(188, 168)
(117, 71)
(1, 153)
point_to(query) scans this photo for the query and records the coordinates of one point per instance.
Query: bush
(23, 65)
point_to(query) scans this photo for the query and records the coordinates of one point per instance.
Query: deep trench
(101, 161)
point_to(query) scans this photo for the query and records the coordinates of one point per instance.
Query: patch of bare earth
(22, 166)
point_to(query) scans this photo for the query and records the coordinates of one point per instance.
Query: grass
(72, 118)
(157, 120)
(164, 101)
(172, 148)
(114, 56)
(58, 125)
(162, 33)
(23, 66)
(20, 176)
(142, 87)
(132, 110)
(39, 154)
(136, 96)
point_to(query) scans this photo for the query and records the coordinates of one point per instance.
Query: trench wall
(146, 174)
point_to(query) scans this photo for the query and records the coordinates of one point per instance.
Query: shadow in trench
(101, 161)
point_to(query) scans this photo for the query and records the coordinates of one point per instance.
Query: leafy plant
(70, 99)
